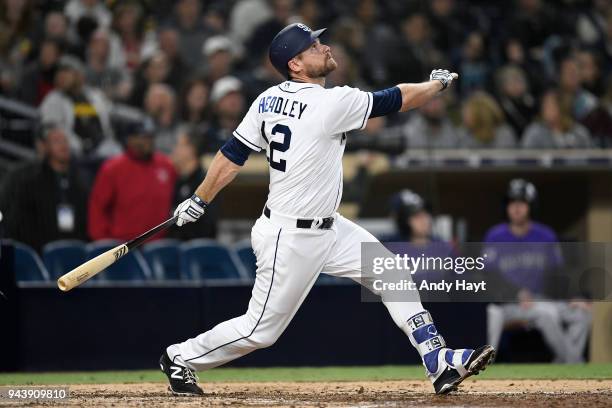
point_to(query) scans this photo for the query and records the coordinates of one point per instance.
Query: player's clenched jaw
(316, 61)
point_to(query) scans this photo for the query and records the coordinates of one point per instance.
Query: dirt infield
(539, 393)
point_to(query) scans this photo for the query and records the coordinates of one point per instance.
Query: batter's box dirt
(510, 393)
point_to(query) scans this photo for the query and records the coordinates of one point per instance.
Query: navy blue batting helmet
(289, 42)
(521, 190)
(404, 205)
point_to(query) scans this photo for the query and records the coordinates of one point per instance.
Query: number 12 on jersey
(281, 164)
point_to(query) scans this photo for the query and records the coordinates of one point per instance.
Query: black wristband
(444, 84)
(199, 201)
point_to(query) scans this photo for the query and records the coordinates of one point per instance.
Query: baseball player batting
(302, 127)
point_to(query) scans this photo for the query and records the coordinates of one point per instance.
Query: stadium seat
(61, 257)
(203, 259)
(131, 267)
(163, 257)
(28, 266)
(245, 253)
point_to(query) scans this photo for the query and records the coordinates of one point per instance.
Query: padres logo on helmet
(289, 42)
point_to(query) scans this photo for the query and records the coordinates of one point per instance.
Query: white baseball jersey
(303, 127)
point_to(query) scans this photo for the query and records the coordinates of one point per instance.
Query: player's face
(65, 79)
(140, 145)
(420, 223)
(518, 212)
(57, 147)
(317, 61)
(183, 150)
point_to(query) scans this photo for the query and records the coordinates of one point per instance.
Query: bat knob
(63, 285)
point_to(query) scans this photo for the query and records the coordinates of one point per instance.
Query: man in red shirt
(132, 191)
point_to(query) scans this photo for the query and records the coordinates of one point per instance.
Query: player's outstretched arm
(415, 95)
(221, 172)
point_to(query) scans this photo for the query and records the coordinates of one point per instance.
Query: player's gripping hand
(190, 210)
(444, 76)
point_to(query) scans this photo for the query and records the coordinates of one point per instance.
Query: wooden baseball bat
(96, 265)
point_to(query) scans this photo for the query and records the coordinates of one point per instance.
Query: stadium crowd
(534, 74)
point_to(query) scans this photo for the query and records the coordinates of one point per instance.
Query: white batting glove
(190, 210)
(444, 76)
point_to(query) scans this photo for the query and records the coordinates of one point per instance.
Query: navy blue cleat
(183, 381)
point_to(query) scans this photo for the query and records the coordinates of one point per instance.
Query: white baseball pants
(289, 261)
(565, 329)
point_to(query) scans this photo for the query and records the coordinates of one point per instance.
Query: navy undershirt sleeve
(236, 151)
(386, 101)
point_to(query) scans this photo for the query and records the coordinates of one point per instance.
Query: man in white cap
(228, 102)
(219, 57)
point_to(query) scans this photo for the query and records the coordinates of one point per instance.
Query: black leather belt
(326, 223)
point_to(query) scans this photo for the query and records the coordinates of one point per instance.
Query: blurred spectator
(556, 128)
(186, 159)
(154, 70)
(85, 27)
(195, 108)
(604, 47)
(84, 112)
(589, 67)
(447, 25)
(514, 54)
(347, 72)
(128, 24)
(192, 32)
(100, 71)
(265, 75)
(262, 36)
(38, 77)
(533, 22)
(414, 54)
(518, 104)
(570, 85)
(483, 124)
(133, 191)
(45, 200)
(94, 9)
(430, 127)
(599, 121)
(17, 22)
(56, 27)
(351, 35)
(215, 17)
(160, 105)
(168, 39)
(219, 57)
(591, 24)
(377, 136)
(308, 13)
(518, 254)
(246, 16)
(115, 57)
(379, 36)
(228, 107)
(474, 66)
